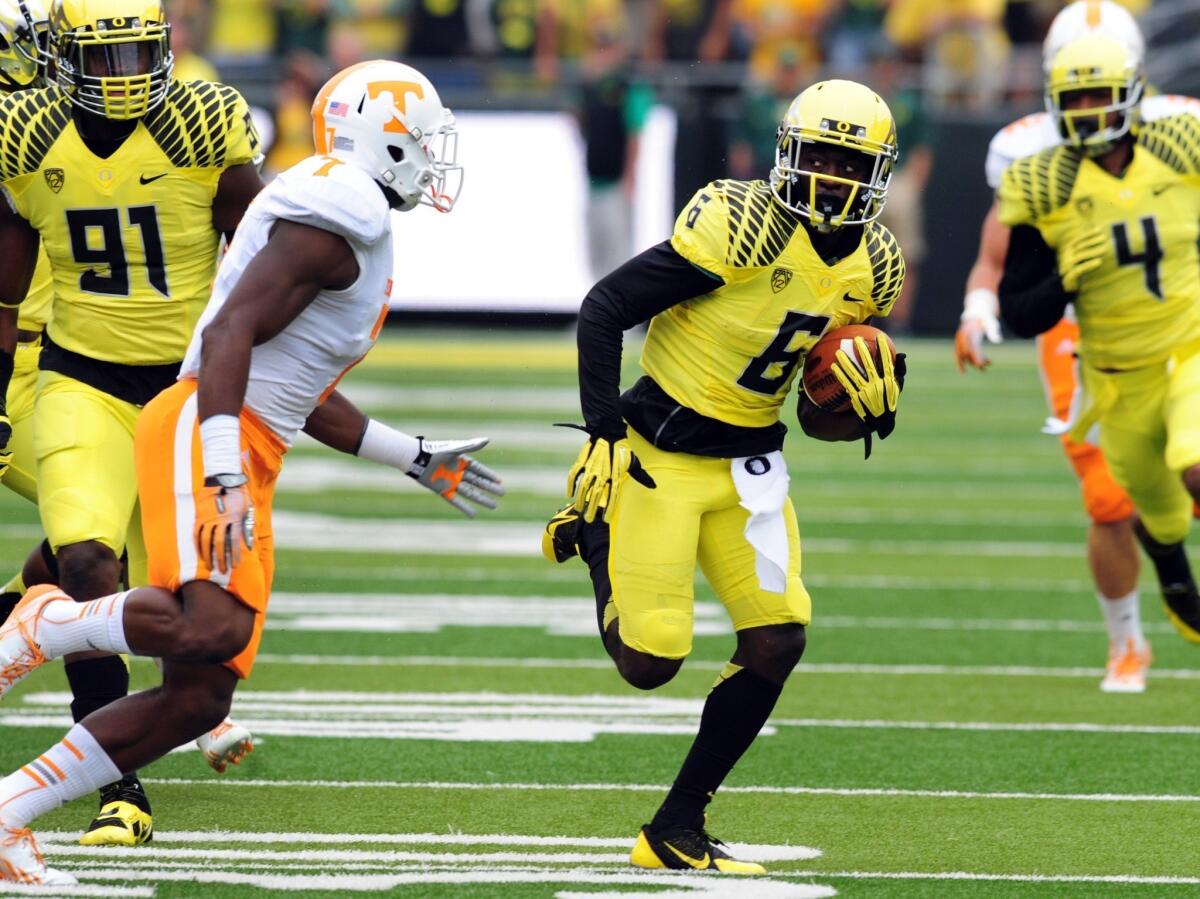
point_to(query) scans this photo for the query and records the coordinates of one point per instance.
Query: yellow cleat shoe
(558, 540)
(681, 848)
(125, 816)
(1183, 608)
(1127, 668)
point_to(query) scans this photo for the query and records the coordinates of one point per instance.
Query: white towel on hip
(762, 486)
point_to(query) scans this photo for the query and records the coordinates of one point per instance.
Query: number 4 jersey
(130, 236)
(733, 353)
(1143, 301)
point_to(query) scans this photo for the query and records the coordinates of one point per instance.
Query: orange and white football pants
(170, 471)
(1103, 498)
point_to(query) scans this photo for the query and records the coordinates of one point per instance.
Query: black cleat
(682, 848)
(1183, 608)
(125, 816)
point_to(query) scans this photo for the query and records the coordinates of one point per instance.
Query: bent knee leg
(215, 626)
(646, 672)
(771, 651)
(664, 633)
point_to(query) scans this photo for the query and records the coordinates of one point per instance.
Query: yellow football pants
(656, 538)
(86, 481)
(21, 477)
(1150, 434)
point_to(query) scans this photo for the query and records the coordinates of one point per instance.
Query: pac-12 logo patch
(780, 278)
(55, 179)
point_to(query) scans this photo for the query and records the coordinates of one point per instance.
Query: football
(820, 384)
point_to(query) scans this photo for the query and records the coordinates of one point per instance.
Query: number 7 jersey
(129, 236)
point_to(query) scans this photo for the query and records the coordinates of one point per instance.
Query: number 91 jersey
(733, 353)
(129, 236)
(1142, 302)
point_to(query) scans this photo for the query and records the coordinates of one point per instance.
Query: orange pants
(1103, 498)
(170, 471)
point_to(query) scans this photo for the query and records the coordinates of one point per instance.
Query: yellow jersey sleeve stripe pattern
(30, 123)
(887, 267)
(1175, 140)
(198, 125)
(1036, 186)
(759, 228)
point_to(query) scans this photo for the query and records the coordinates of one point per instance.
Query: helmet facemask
(23, 47)
(815, 177)
(118, 73)
(424, 169)
(1095, 129)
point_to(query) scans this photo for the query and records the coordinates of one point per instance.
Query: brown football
(820, 384)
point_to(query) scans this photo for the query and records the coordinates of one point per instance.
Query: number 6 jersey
(129, 236)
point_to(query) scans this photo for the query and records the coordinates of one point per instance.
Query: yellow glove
(874, 391)
(597, 475)
(1080, 256)
(5, 436)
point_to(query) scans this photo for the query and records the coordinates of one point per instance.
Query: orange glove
(224, 521)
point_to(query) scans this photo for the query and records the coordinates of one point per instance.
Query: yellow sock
(727, 672)
(16, 585)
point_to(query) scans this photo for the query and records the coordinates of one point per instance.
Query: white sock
(65, 626)
(1124, 620)
(67, 770)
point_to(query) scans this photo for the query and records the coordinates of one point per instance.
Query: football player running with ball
(126, 178)
(1109, 222)
(299, 299)
(686, 466)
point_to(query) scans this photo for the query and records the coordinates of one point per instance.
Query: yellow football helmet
(23, 29)
(112, 57)
(1100, 64)
(843, 114)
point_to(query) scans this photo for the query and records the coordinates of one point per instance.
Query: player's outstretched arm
(442, 466)
(646, 285)
(981, 306)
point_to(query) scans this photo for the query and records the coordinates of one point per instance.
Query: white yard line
(402, 661)
(304, 530)
(80, 890)
(659, 788)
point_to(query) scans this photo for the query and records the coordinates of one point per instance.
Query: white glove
(979, 320)
(445, 468)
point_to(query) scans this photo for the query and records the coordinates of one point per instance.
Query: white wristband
(387, 446)
(221, 436)
(981, 304)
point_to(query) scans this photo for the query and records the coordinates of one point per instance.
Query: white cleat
(20, 653)
(226, 744)
(21, 861)
(1127, 668)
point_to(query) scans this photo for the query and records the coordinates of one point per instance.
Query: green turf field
(436, 718)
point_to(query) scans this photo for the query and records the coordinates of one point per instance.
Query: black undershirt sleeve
(646, 285)
(1032, 297)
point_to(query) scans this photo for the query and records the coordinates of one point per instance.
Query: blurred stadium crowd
(727, 68)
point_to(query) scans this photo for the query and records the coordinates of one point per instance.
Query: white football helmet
(23, 31)
(1093, 17)
(387, 119)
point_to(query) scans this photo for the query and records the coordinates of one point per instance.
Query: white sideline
(659, 788)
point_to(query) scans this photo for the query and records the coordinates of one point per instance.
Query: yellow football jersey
(34, 311)
(130, 237)
(732, 354)
(1144, 300)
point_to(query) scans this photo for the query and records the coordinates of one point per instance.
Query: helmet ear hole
(397, 153)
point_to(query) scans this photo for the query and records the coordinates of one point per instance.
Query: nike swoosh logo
(144, 180)
(698, 863)
(1161, 189)
(850, 299)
